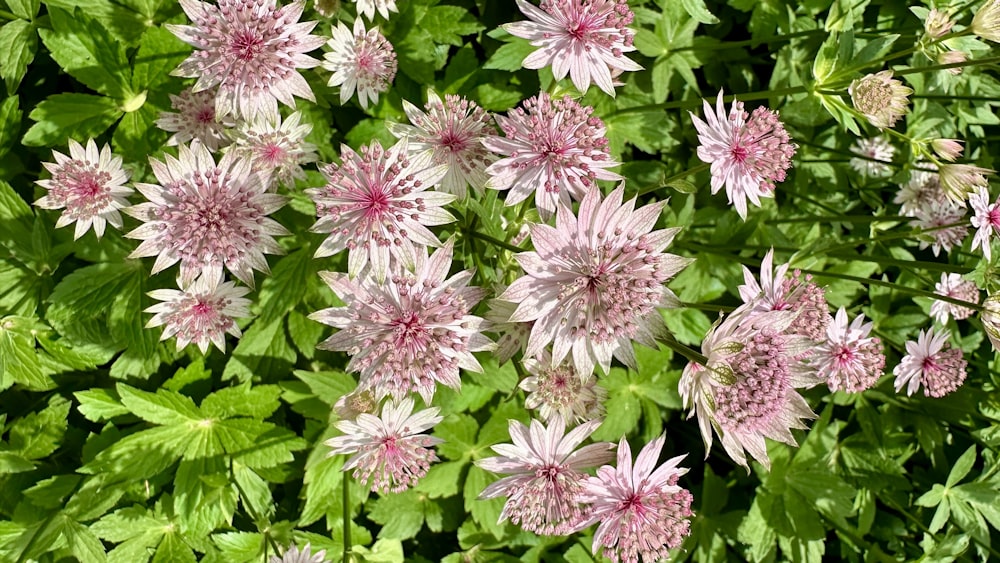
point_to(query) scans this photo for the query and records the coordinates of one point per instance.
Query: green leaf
(442, 479)
(13, 463)
(137, 134)
(173, 549)
(83, 544)
(38, 434)
(18, 360)
(124, 24)
(159, 53)
(509, 56)
(447, 24)
(100, 404)
(327, 385)
(484, 512)
(70, 116)
(698, 11)
(459, 434)
(257, 402)
(277, 295)
(24, 9)
(18, 43)
(87, 51)
(961, 468)
(263, 349)
(10, 123)
(305, 333)
(20, 288)
(162, 407)
(16, 224)
(401, 515)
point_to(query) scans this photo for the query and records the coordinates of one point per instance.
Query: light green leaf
(159, 53)
(38, 434)
(459, 434)
(99, 404)
(961, 468)
(24, 9)
(327, 385)
(162, 407)
(88, 52)
(698, 11)
(401, 515)
(70, 116)
(13, 463)
(509, 56)
(256, 402)
(447, 24)
(18, 43)
(281, 291)
(10, 122)
(18, 360)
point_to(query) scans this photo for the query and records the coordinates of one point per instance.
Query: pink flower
(361, 60)
(593, 284)
(777, 291)
(450, 133)
(746, 392)
(749, 153)
(960, 180)
(305, 555)
(921, 191)
(368, 7)
(195, 119)
(642, 510)
(849, 360)
(276, 147)
(201, 312)
(207, 215)
(986, 220)
(930, 361)
(546, 475)
(250, 50)
(586, 39)
(560, 391)
(554, 149)
(411, 331)
(948, 149)
(390, 452)
(376, 204)
(934, 219)
(876, 152)
(952, 285)
(89, 185)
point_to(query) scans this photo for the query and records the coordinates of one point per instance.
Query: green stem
(751, 42)
(690, 353)
(886, 261)
(257, 520)
(857, 540)
(679, 176)
(956, 97)
(4, 14)
(931, 68)
(347, 518)
(693, 104)
(495, 242)
(707, 307)
(840, 219)
(892, 285)
(892, 504)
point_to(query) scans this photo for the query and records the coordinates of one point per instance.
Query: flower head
(554, 148)
(948, 149)
(250, 49)
(849, 360)
(959, 180)
(749, 153)
(560, 391)
(202, 312)
(935, 219)
(390, 452)
(512, 337)
(931, 362)
(376, 204)
(642, 510)
(586, 39)
(746, 392)
(876, 151)
(305, 555)
(986, 220)
(195, 119)
(952, 58)
(986, 22)
(938, 23)
(352, 404)
(991, 319)
(593, 283)
(368, 7)
(778, 291)
(881, 99)
(952, 285)
(546, 475)
(89, 185)
(410, 332)
(362, 60)
(276, 147)
(450, 133)
(920, 192)
(207, 215)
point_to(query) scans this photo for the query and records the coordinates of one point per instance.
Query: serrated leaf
(18, 43)
(509, 56)
(19, 363)
(484, 512)
(159, 53)
(327, 385)
(20, 288)
(88, 52)
(99, 404)
(961, 468)
(24, 9)
(447, 24)
(401, 515)
(292, 271)
(70, 116)
(10, 122)
(698, 11)
(459, 434)
(14, 463)
(163, 407)
(263, 349)
(38, 434)
(442, 479)
(257, 402)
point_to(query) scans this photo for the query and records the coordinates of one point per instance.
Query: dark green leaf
(87, 51)
(10, 123)
(509, 56)
(18, 43)
(38, 434)
(70, 116)
(159, 53)
(24, 9)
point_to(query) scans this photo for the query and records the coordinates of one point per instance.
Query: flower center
(205, 115)
(246, 45)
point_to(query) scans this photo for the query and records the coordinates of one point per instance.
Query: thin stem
(840, 219)
(693, 104)
(886, 261)
(931, 68)
(751, 42)
(679, 176)
(4, 14)
(257, 520)
(956, 97)
(690, 353)
(494, 241)
(892, 285)
(347, 518)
